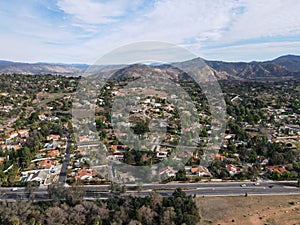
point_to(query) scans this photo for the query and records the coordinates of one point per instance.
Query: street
(198, 189)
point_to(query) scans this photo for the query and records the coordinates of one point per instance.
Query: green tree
(296, 167)
(181, 175)
(141, 127)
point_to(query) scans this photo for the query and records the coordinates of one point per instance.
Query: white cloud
(265, 19)
(171, 21)
(204, 24)
(91, 12)
(82, 31)
(177, 20)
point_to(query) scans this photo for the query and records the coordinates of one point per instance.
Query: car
(256, 184)
(14, 189)
(270, 186)
(243, 185)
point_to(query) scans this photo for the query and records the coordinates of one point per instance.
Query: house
(119, 157)
(100, 101)
(157, 105)
(200, 171)
(236, 100)
(219, 157)
(23, 133)
(281, 169)
(54, 137)
(162, 154)
(119, 135)
(13, 135)
(2, 159)
(11, 147)
(167, 171)
(155, 110)
(228, 136)
(119, 148)
(147, 101)
(262, 161)
(42, 117)
(80, 151)
(45, 164)
(84, 138)
(115, 157)
(232, 169)
(272, 169)
(85, 173)
(52, 145)
(53, 153)
(39, 176)
(135, 109)
(115, 93)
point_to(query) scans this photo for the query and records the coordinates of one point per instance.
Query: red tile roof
(45, 164)
(52, 153)
(85, 173)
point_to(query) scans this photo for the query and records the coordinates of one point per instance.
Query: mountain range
(283, 67)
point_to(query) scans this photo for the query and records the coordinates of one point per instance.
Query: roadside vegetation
(154, 209)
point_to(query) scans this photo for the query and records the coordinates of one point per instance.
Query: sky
(81, 31)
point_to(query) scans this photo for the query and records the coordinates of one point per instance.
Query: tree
(141, 127)
(30, 188)
(55, 215)
(276, 175)
(75, 194)
(168, 216)
(203, 133)
(77, 215)
(25, 157)
(57, 191)
(146, 215)
(276, 158)
(181, 175)
(297, 169)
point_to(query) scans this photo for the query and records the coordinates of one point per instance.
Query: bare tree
(134, 222)
(145, 215)
(30, 188)
(168, 216)
(77, 215)
(55, 215)
(75, 194)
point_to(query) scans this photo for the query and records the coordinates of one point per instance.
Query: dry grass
(251, 210)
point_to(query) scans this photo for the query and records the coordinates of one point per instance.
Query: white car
(256, 184)
(243, 185)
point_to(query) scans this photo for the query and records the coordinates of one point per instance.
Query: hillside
(283, 67)
(41, 68)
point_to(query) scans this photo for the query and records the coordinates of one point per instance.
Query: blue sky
(81, 31)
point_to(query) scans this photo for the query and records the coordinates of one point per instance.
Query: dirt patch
(251, 210)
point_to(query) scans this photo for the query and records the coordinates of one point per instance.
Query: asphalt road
(198, 189)
(63, 174)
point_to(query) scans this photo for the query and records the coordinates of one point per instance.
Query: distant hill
(41, 68)
(292, 62)
(283, 67)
